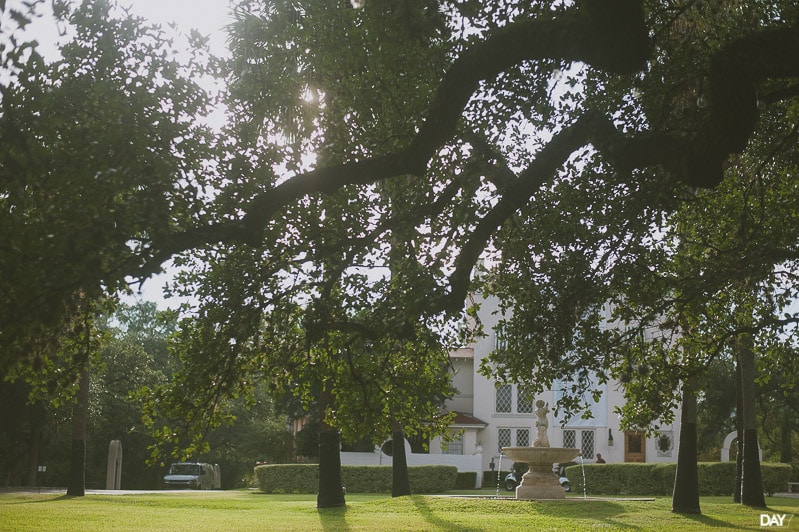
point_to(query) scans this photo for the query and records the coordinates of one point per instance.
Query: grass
(244, 510)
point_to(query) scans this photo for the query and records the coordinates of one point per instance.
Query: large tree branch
(596, 39)
(609, 35)
(515, 195)
(734, 73)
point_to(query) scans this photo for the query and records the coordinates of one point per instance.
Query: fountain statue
(540, 482)
(541, 424)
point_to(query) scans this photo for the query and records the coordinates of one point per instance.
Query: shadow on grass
(579, 509)
(710, 522)
(41, 500)
(426, 512)
(572, 511)
(607, 512)
(333, 518)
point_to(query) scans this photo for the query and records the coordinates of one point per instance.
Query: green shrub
(614, 479)
(491, 478)
(432, 478)
(775, 477)
(287, 478)
(366, 479)
(377, 479)
(466, 480)
(715, 478)
(718, 478)
(664, 473)
(304, 478)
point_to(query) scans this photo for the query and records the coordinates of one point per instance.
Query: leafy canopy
(564, 141)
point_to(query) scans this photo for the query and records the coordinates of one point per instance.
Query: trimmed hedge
(466, 480)
(287, 478)
(304, 478)
(493, 478)
(431, 478)
(715, 478)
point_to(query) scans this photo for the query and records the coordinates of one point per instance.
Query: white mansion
(491, 416)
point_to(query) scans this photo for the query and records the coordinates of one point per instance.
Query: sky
(209, 17)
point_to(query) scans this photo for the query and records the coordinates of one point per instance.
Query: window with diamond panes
(523, 437)
(504, 398)
(524, 400)
(587, 447)
(503, 439)
(513, 437)
(570, 439)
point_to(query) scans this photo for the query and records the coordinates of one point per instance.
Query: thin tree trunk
(76, 483)
(685, 499)
(33, 456)
(37, 415)
(400, 481)
(786, 451)
(751, 480)
(331, 492)
(739, 428)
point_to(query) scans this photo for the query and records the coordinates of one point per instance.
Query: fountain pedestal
(540, 482)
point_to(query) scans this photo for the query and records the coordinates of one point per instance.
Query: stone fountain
(540, 482)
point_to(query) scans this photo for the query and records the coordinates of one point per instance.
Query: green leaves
(102, 163)
(372, 156)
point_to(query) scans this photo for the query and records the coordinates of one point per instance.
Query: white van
(191, 475)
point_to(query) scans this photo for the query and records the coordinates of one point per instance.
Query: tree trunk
(37, 415)
(685, 499)
(33, 456)
(786, 452)
(331, 492)
(400, 481)
(739, 429)
(76, 483)
(751, 480)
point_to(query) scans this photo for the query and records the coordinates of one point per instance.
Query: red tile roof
(466, 419)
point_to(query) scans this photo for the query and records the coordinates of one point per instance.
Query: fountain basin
(540, 455)
(540, 482)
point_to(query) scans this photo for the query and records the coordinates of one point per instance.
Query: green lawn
(244, 510)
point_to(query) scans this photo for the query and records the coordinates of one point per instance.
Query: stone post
(113, 479)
